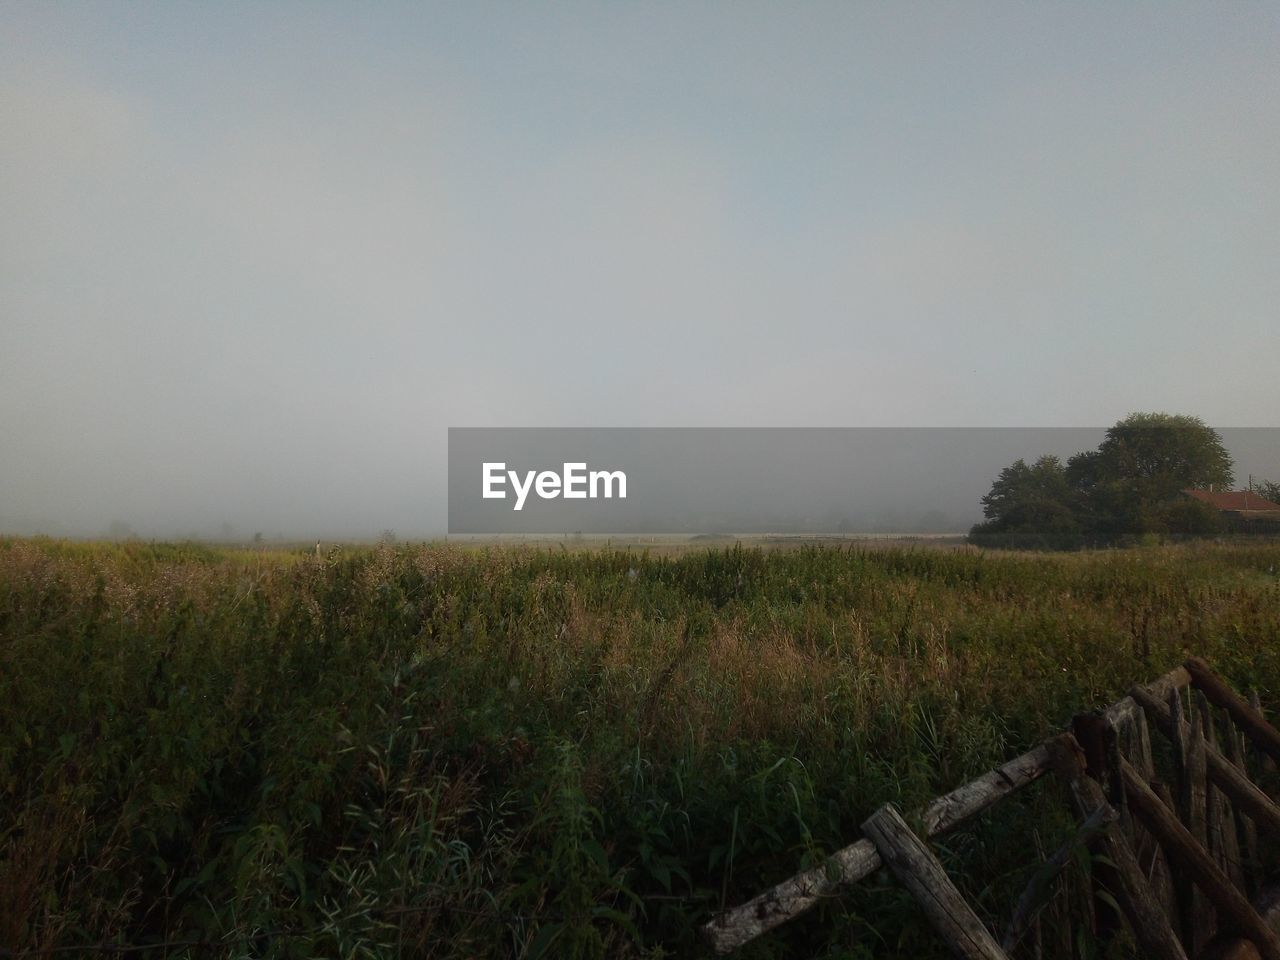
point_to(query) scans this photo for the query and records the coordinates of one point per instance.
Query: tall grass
(432, 751)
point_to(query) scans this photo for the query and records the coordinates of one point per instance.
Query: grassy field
(471, 752)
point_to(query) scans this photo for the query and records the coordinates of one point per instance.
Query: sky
(255, 259)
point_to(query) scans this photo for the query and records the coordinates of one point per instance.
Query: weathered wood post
(1147, 918)
(1192, 857)
(1251, 721)
(920, 872)
(1095, 736)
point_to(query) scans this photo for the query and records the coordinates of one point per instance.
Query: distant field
(674, 544)
(469, 750)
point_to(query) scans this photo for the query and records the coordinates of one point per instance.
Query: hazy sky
(254, 259)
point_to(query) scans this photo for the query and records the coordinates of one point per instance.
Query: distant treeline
(1130, 489)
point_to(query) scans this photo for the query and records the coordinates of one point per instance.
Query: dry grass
(581, 752)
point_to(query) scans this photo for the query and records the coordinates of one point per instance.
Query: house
(1238, 504)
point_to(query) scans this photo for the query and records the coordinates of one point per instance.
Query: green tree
(1133, 483)
(1267, 490)
(1165, 453)
(1029, 506)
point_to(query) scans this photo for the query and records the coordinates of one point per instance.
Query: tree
(1166, 453)
(1267, 490)
(1187, 517)
(1132, 484)
(1029, 506)
(1129, 484)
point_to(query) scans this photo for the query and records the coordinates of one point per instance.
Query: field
(523, 752)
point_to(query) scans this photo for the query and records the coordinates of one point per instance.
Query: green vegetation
(1268, 490)
(433, 751)
(1129, 488)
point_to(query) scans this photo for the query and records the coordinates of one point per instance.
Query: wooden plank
(1150, 857)
(1264, 735)
(1122, 712)
(791, 898)
(794, 896)
(1140, 754)
(1188, 765)
(1194, 784)
(1117, 798)
(1244, 793)
(1224, 840)
(1228, 945)
(1201, 810)
(952, 809)
(1158, 868)
(921, 873)
(1215, 831)
(1149, 922)
(1248, 829)
(1267, 903)
(1232, 906)
(1096, 738)
(1267, 763)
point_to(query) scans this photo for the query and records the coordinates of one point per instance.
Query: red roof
(1233, 500)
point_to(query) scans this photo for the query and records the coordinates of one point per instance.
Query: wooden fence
(1180, 860)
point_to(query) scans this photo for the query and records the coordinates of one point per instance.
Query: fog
(255, 261)
(759, 480)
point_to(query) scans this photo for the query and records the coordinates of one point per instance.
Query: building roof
(1234, 500)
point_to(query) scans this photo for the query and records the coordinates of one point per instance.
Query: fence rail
(1182, 858)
